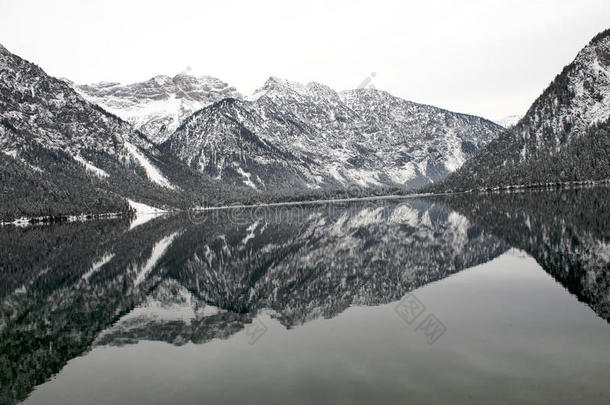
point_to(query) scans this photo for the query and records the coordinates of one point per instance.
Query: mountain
(564, 136)
(157, 106)
(63, 155)
(508, 121)
(60, 154)
(290, 136)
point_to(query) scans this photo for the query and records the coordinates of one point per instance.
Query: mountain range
(63, 155)
(157, 106)
(288, 135)
(90, 149)
(174, 142)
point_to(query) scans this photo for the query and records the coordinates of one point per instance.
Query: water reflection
(67, 288)
(567, 232)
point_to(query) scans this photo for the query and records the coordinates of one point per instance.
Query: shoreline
(48, 220)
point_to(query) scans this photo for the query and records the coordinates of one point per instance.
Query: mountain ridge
(323, 138)
(564, 136)
(288, 137)
(63, 155)
(158, 105)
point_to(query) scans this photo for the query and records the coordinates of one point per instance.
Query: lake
(491, 298)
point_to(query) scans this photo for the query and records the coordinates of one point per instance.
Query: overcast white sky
(490, 58)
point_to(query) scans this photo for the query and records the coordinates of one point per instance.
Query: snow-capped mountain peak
(322, 91)
(508, 121)
(278, 87)
(288, 134)
(159, 105)
(66, 155)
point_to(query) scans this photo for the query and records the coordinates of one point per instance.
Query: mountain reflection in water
(68, 288)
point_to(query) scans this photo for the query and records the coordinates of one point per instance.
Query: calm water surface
(483, 299)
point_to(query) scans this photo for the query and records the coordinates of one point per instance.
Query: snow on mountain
(564, 136)
(290, 135)
(151, 171)
(157, 106)
(508, 121)
(96, 170)
(62, 154)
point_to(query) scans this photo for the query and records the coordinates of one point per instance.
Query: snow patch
(402, 175)
(251, 232)
(21, 290)
(88, 166)
(11, 153)
(151, 171)
(144, 213)
(143, 208)
(508, 121)
(14, 154)
(247, 176)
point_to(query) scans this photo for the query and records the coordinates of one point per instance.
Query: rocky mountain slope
(157, 106)
(564, 136)
(63, 155)
(288, 135)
